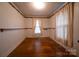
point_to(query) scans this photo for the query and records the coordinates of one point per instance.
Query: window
(37, 27)
(64, 25)
(61, 25)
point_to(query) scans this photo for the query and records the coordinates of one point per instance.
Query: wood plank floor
(39, 47)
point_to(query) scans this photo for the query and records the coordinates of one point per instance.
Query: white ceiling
(27, 9)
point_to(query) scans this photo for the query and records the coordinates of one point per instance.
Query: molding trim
(51, 14)
(13, 48)
(8, 29)
(48, 28)
(14, 6)
(35, 37)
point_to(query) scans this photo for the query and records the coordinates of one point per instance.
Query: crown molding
(56, 10)
(51, 14)
(15, 7)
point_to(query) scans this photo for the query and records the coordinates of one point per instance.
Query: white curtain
(64, 24)
(61, 25)
(37, 27)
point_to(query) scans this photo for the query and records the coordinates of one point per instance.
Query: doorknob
(78, 41)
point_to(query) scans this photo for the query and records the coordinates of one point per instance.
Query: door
(76, 28)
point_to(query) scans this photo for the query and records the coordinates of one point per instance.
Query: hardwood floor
(39, 47)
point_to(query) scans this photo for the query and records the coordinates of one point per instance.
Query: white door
(76, 28)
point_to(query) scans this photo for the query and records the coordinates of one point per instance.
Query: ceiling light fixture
(38, 4)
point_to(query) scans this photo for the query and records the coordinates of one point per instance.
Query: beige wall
(29, 23)
(10, 18)
(52, 24)
(45, 24)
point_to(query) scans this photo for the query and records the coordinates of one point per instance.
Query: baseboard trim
(9, 51)
(36, 37)
(71, 50)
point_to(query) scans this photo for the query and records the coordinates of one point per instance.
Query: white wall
(10, 18)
